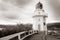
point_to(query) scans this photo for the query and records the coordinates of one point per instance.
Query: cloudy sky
(21, 11)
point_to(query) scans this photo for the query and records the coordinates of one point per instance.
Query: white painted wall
(36, 21)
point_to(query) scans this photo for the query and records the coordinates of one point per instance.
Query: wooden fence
(19, 36)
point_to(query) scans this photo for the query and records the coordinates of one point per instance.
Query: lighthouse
(39, 18)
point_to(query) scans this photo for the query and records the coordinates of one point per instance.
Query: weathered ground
(39, 37)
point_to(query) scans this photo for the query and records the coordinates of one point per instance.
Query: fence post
(19, 38)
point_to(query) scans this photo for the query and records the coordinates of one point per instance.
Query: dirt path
(38, 37)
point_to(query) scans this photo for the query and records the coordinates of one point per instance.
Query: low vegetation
(11, 29)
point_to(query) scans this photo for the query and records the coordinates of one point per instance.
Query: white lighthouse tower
(39, 18)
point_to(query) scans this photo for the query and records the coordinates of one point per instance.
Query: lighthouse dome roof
(39, 5)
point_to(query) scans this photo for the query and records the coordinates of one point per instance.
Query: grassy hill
(53, 25)
(11, 29)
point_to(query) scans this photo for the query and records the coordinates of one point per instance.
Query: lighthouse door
(38, 27)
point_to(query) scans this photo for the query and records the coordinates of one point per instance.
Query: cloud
(55, 5)
(2, 7)
(13, 11)
(19, 2)
(9, 11)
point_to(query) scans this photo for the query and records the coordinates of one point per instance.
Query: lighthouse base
(42, 32)
(43, 35)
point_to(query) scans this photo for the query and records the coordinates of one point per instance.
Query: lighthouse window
(38, 25)
(44, 23)
(39, 19)
(39, 12)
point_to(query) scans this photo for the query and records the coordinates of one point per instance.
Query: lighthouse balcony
(39, 16)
